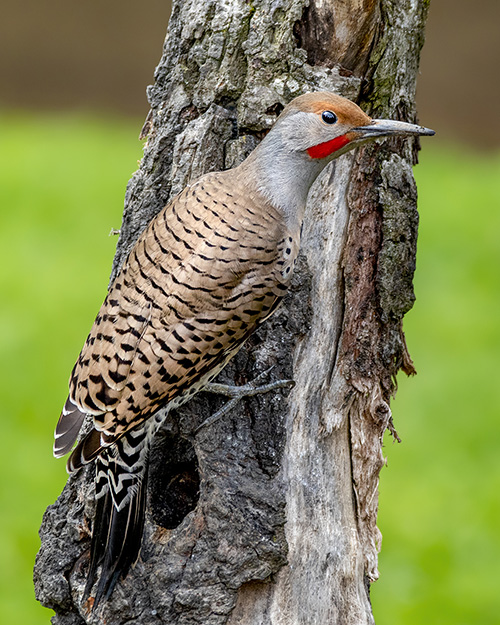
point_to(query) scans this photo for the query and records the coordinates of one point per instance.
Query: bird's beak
(388, 128)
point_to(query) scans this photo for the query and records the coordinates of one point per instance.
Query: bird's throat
(322, 150)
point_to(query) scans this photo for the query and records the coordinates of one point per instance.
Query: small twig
(393, 431)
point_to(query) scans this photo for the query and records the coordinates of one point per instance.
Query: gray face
(300, 130)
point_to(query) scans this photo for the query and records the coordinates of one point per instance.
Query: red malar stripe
(328, 147)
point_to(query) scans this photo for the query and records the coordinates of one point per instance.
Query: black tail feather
(67, 428)
(118, 526)
(99, 537)
(87, 449)
(123, 542)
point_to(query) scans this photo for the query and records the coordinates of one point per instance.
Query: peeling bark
(269, 515)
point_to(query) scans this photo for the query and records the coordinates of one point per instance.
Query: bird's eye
(328, 117)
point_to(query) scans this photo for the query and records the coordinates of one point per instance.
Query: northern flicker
(208, 269)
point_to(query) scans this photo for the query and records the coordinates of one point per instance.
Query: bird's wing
(207, 270)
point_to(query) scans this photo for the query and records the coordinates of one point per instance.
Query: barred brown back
(207, 270)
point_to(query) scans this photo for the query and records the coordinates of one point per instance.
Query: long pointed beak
(388, 128)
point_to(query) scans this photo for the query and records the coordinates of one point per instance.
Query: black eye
(328, 117)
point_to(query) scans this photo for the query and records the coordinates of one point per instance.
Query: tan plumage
(194, 287)
(203, 275)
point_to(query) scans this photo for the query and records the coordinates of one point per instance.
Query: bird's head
(324, 125)
(312, 130)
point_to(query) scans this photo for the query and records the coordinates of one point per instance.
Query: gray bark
(269, 515)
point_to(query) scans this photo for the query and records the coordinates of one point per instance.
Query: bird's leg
(238, 392)
(247, 390)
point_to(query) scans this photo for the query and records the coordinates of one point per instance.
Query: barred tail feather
(121, 477)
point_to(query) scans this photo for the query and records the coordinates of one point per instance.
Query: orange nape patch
(347, 112)
(322, 150)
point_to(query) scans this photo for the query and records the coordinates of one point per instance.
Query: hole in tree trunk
(174, 481)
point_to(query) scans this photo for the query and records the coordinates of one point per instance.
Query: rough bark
(269, 515)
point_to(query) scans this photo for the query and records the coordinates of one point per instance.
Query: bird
(212, 266)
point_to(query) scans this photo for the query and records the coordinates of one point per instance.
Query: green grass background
(62, 182)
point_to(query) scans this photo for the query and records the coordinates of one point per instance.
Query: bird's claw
(238, 392)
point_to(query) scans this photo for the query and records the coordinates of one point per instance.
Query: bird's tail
(121, 478)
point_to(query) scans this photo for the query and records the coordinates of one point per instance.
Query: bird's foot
(238, 392)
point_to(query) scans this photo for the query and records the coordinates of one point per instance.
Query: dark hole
(228, 103)
(297, 33)
(275, 109)
(174, 481)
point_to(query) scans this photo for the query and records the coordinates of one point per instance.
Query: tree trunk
(269, 514)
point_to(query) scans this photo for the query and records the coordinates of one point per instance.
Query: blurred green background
(70, 113)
